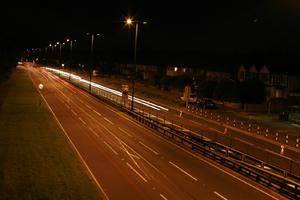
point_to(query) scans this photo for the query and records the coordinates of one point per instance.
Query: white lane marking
(109, 121)
(74, 147)
(210, 128)
(190, 153)
(222, 197)
(148, 148)
(163, 197)
(213, 129)
(97, 112)
(92, 130)
(136, 172)
(183, 171)
(67, 106)
(110, 148)
(196, 122)
(88, 106)
(125, 132)
(219, 168)
(82, 120)
(74, 112)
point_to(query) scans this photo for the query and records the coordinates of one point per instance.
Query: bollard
(234, 122)
(242, 123)
(227, 122)
(282, 149)
(180, 113)
(297, 144)
(276, 138)
(249, 128)
(218, 118)
(267, 132)
(258, 128)
(225, 130)
(211, 115)
(286, 139)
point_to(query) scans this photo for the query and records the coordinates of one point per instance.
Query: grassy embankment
(36, 160)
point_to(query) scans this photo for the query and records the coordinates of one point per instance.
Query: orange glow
(129, 21)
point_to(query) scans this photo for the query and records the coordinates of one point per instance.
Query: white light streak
(106, 89)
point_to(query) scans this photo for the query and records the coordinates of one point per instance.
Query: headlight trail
(115, 92)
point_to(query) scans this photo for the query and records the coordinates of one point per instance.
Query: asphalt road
(131, 162)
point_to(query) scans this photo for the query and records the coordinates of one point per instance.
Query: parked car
(206, 104)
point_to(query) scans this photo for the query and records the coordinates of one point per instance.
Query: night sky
(183, 32)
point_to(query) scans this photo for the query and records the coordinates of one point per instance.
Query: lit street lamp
(92, 56)
(130, 22)
(71, 54)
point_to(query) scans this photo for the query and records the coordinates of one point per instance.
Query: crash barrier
(266, 168)
(244, 164)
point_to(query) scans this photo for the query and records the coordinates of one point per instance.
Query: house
(204, 72)
(276, 83)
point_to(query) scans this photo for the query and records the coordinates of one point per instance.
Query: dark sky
(206, 32)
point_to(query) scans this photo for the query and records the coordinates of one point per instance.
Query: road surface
(131, 162)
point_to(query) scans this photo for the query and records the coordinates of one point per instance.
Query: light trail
(106, 89)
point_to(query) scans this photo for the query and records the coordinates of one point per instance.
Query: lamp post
(130, 22)
(92, 56)
(71, 54)
(52, 49)
(46, 52)
(59, 45)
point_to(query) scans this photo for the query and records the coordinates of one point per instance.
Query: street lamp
(131, 22)
(52, 49)
(92, 56)
(71, 53)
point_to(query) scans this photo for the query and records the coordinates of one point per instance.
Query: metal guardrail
(257, 170)
(225, 156)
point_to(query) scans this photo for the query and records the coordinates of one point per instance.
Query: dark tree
(252, 91)
(227, 91)
(206, 89)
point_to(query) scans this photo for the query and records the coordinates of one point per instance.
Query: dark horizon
(213, 33)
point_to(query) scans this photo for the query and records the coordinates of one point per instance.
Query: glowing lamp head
(41, 86)
(129, 21)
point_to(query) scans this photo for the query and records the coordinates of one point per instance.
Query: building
(203, 73)
(276, 82)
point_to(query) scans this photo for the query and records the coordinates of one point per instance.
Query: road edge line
(90, 173)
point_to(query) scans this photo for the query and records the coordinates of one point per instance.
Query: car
(206, 104)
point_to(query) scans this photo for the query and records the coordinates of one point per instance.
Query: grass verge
(36, 160)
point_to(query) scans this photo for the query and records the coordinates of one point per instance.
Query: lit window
(184, 70)
(175, 69)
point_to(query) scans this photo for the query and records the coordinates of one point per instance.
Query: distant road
(132, 162)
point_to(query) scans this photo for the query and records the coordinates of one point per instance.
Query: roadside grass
(36, 160)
